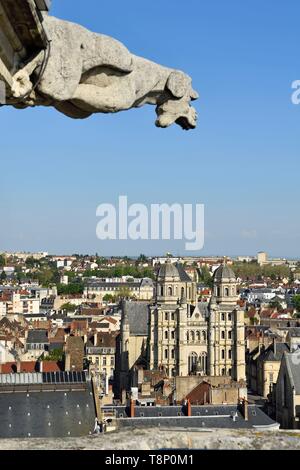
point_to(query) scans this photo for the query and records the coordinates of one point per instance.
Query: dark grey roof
(293, 368)
(137, 314)
(294, 332)
(224, 272)
(184, 277)
(168, 270)
(207, 416)
(37, 337)
(270, 355)
(47, 414)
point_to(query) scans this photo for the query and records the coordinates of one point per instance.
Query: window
(223, 334)
(223, 353)
(112, 361)
(198, 335)
(223, 372)
(223, 317)
(218, 291)
(166, 316)
(161, 290)
(229, 354)
(271, 377)
(173, 354)
(229, 334)
(192, 336)
(166, 354)
(226, 292)
(166, 334)
(229, 316)
(104, 361)
(173, 316)
(173, 334)
(170, 291)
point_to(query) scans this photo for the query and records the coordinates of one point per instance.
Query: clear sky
(242, 162)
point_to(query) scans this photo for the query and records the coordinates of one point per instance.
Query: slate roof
(224, 272)
(37, 337)
(168, 270)
(207, 416)
(184, 277)
(294, 332)
(47, 414)
(270, 355)
(293, 368)
(137, 314)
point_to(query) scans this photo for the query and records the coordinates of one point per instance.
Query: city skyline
(240, 162)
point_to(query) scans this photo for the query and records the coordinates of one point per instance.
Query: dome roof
(168, 270)
(224, 272)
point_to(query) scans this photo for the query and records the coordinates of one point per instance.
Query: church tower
(226, 327)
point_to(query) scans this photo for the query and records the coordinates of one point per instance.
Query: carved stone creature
(84, 73)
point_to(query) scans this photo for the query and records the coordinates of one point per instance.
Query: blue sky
(242, 162)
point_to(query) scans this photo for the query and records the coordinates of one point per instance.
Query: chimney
(132, 410)
(189, 408)
(274, 346)
(18, 367)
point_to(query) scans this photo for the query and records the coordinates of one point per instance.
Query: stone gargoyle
(83, 73)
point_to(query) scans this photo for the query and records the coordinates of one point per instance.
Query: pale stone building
(226, 328)
(180, 336)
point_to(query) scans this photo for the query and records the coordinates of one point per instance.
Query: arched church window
(161, 290)
(198, 336)
(193, 359)
(229, 316)
(226, 292)
(166, 335)
(173, 316)
(173, 353)
(223, 354)
(166, 354)
(218, 291)
(170, 291)
(192, 336)
(182, 292)
(187, 336)
(223, 334)
(203, 335)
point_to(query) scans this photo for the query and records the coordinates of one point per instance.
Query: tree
(275, 304)
(109, 298)
(68, 307)
(2, 261)
(3, 276)
(296, 302)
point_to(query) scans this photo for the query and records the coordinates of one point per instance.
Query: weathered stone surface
(83, 73)
(154, 439)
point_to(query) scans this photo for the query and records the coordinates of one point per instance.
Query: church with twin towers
(180, 336)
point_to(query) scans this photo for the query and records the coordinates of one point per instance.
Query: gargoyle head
(178, 109)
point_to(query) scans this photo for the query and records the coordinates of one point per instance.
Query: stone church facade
(182, 337)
